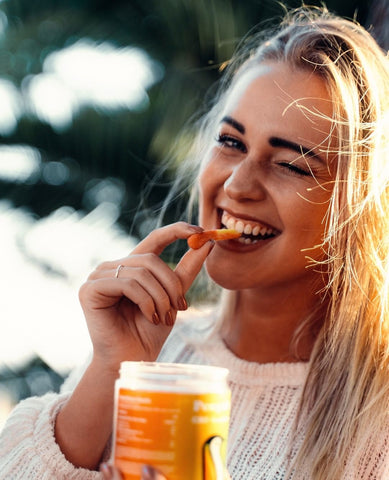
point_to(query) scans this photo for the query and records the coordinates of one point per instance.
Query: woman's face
(270, 175)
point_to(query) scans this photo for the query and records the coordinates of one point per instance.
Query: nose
(245, 182)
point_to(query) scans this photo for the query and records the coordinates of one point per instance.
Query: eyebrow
(234, 123)
(276, 141)
(296, 147)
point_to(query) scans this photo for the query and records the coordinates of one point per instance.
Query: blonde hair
(346, 396)
(345, 402)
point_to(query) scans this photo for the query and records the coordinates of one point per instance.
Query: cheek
(310, 227)
(204, 194)
(210, 184)
(307, 208)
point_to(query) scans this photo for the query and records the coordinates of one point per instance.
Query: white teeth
(256, 230)
(230, 223)
(246, 228)
(247, 241)
(239, 226)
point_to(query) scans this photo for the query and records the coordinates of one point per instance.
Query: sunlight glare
(11, 107)
(91, 74)
(18, 163)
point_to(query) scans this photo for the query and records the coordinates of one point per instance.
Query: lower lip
(237, 246)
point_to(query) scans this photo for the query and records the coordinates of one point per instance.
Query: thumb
(190, 264)
(110, 472)
(150, 473)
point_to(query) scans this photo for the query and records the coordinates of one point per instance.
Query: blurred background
(93, 94)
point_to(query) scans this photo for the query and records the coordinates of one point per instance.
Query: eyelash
(295, 170)
(231, 142)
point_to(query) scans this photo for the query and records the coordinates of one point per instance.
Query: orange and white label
(183, 435)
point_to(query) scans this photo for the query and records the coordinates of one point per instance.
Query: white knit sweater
(264, 403)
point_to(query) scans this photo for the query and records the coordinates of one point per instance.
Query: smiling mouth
(252, 232)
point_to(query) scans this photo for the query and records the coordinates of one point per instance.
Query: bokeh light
(87, 73)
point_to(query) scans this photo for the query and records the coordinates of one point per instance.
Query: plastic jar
(174, 417)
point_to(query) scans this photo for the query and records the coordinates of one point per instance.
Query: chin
(224, 279)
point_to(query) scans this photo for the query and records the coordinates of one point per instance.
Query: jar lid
(172, 372)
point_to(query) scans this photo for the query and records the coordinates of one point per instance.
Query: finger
(151, 283)
(150, 473)
(110, 472)
(154, 243)
(141, 267)
(106, 292)
(168, 279)
(190, 264)
(159, 239)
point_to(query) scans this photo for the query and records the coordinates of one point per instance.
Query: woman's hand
(130, 312)
(130, 304)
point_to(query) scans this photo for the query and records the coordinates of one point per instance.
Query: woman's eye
(295, 169)
(231, 142)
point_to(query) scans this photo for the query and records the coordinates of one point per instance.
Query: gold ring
(118, 270)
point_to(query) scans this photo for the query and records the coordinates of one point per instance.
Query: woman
(294, 154)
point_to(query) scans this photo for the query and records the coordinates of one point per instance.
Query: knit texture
(265, 400)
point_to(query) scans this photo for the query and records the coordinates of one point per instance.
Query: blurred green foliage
(190, 38)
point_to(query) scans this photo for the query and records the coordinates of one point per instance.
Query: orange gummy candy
(197, 240)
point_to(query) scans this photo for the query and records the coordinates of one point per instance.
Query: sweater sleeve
(28, 449)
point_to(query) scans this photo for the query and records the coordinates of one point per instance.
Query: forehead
(284, 83)
(275, 97)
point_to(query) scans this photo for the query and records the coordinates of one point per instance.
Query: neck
(266, 329)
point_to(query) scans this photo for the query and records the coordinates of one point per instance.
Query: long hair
(346, 396)
(345, 402)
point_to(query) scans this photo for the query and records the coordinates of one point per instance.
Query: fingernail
(105, 470)
(155, 318)
(169, 318)
(195, 228)
(182, 305)
(147, 473)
